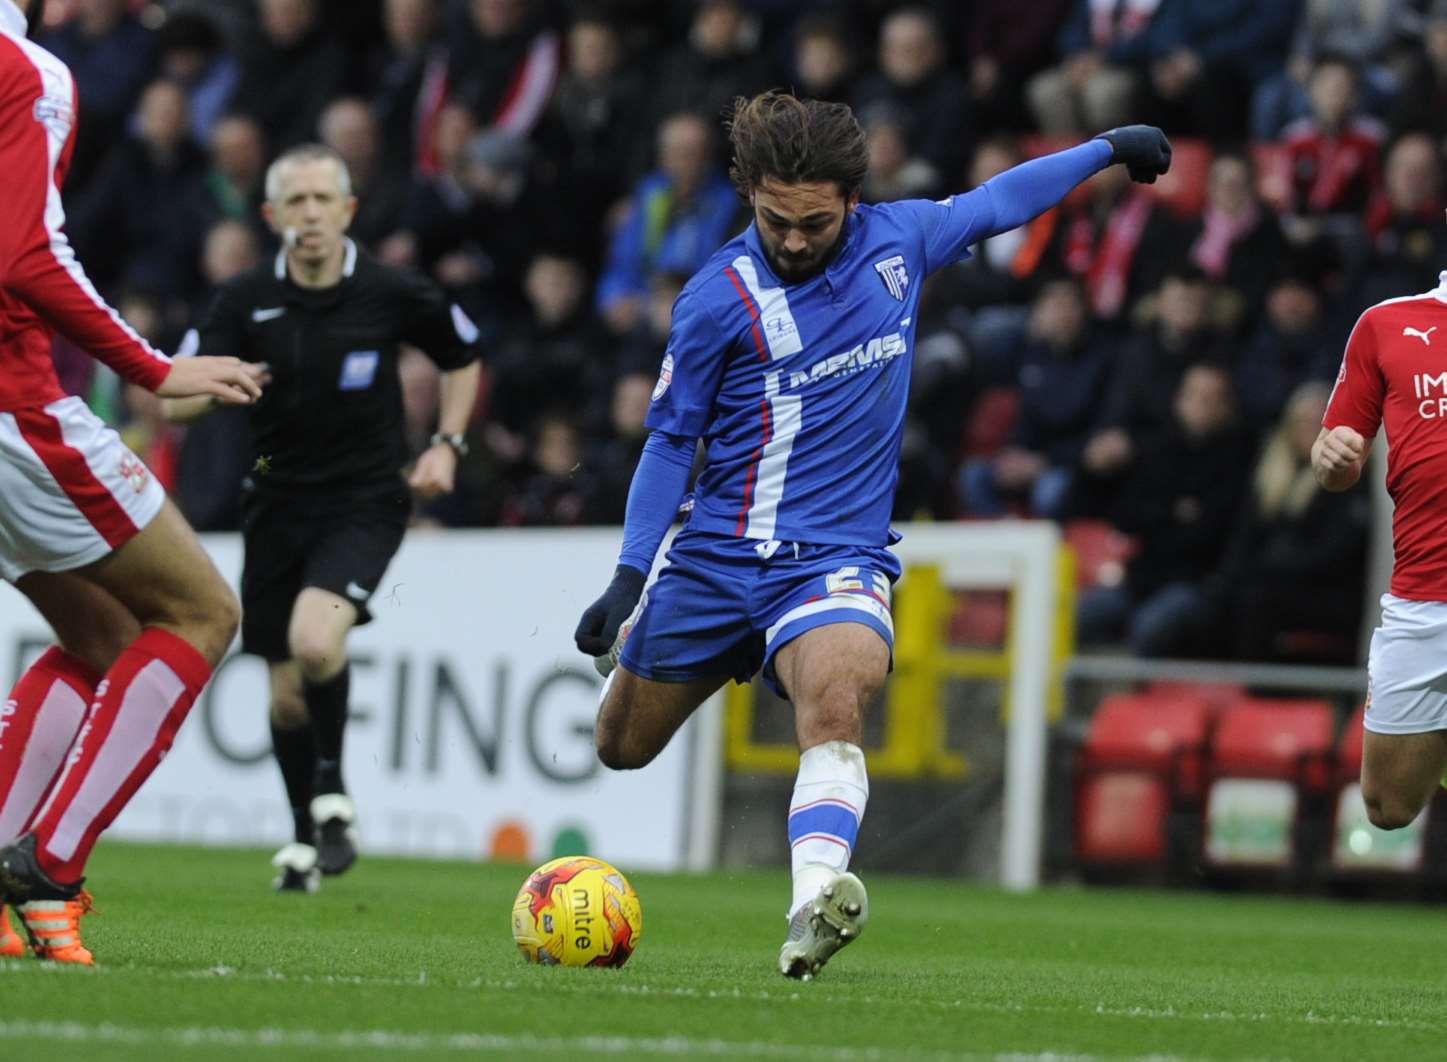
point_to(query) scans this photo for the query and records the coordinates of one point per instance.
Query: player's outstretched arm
(658, 486)
(1337, 457)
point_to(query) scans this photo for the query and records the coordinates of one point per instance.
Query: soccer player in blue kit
(790, 356)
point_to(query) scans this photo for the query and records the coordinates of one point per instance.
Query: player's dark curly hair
(779, 136)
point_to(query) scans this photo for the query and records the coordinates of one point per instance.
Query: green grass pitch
(405, 959)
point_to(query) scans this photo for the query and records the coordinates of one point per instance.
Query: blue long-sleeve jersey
(799, 391)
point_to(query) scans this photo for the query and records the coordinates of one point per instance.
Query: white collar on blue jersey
(349, 259)
(12, 19)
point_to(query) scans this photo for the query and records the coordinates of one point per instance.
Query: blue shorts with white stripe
(724, 606)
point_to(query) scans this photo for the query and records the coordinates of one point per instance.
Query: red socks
(37, 725)
(138, 708)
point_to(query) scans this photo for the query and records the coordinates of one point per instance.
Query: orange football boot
(11, 946)
(54, 928)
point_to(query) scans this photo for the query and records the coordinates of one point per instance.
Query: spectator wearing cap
(504, 63)
(677, 217)
(290, 72)
(931, 99)
(193, 54)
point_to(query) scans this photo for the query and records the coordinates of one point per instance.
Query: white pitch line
(604, 984)
(388, 1040)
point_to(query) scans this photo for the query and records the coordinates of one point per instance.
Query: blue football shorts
(725, 606)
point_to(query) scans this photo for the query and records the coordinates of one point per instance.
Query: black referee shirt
(332, 415)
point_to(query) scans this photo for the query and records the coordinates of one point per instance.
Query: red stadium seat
(1217, 694)
(1141, 760)
(1349, 746)
(1258, 737)
(1183, 189)
(1268, 776)
(1100, 552)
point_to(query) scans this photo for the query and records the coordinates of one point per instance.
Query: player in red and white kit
(1394, 373)
(140, 614)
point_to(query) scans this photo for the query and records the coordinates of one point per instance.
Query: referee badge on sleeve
(359, 368)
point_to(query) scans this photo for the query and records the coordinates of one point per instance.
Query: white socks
(824, 814)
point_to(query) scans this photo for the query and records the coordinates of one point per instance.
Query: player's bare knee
(316, 655)
(617, 752)
(1386, 811)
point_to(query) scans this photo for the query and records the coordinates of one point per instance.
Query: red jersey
(1394, 372)
(42, 286)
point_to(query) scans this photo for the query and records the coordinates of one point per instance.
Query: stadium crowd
(1152, 358)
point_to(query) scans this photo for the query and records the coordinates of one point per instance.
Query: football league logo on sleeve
(665, 377)
(894, 275)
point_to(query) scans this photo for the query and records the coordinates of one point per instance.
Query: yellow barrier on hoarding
(914, 737)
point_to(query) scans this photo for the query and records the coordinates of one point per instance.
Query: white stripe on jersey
(856, 602)
(776, 319)
(787, 414)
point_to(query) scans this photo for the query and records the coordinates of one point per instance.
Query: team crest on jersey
(134, 473)
(894, 275)
(665, 377)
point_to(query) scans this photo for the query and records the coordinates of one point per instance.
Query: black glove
(1142, 149)
(600, 623)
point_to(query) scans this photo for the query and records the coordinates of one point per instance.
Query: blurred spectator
(931, 100)
(1208, 56)
(893, 172)
(824, 59)
(235, 184)
(1365, 33)
(1007, 43)
(421, 392)
(1063, 375)
(615, 457)
(678, 216)
(1147, 375)
(410, 78)
(1238, 242)
(1422, 103)
(1180, 498)
(644, 347)
(504, 63)
(215, 451)
(1290, 585)
(718, 61)
(140, 221)
(290, 72)
(593, 125)
(1119, 241)
(1291, 346)
(1103, 45)
(559, 492)
(193, 54)
(557, 357)
(112, 56)
(1333, 153)
(439, 204)
(348, 127)
(1404, 241)
(144, 430)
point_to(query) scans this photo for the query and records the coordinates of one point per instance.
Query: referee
(326, 504)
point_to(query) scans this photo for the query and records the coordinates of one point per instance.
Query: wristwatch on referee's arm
(452, 439)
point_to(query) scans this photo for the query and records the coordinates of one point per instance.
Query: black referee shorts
(295, 539)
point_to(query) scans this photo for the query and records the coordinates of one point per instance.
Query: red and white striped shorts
(70, 490)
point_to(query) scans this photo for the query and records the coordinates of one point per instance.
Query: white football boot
(824, 925)
(299, 871)
(336, 817)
